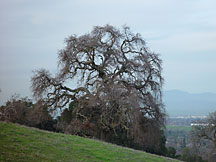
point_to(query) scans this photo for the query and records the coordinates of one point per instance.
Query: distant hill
(20, 143)
(180, 103)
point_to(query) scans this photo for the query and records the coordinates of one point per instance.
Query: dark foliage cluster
(189, 155)
(153, 139)
(23, 111)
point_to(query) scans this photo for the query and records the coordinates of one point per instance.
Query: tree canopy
(110, 77)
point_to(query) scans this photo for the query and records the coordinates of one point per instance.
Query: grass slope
(20, 143)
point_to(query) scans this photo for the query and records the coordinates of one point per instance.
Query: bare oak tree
(110, 74)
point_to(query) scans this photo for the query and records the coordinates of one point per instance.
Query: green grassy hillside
(20, 143)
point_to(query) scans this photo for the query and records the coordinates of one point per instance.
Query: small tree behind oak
(113, 80)
(203, 137)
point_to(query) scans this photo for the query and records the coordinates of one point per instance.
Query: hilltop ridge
(181, 103)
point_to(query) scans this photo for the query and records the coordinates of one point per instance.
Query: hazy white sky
(182, 31)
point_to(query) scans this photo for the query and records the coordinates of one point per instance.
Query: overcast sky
(182, 31)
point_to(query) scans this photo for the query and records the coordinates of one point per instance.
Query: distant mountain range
(180, 103)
